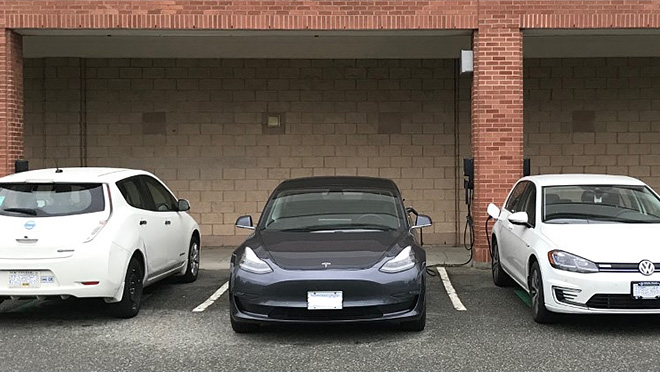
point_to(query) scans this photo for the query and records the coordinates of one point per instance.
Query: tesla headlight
(250, 262)
(403, 261)
(565, 261)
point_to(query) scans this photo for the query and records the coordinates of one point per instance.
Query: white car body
(616, 249)
(58, 249)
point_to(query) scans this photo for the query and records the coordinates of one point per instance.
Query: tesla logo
(325, 264)
(646, 267)
(30, 225)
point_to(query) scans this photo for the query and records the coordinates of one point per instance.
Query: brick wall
(198, 125)
(11, 100)
(595, 115)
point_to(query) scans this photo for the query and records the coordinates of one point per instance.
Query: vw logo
(646, 267)
(325, 264)
(30, 225)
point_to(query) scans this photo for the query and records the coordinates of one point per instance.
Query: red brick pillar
(497, 120)
(11, 100)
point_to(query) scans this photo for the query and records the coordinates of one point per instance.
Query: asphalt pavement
(495, 333)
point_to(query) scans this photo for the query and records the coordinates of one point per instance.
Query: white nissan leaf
(584, 244)
(93, 232)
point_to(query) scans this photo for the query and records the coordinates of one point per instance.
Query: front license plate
(646, 290)
(23, 279)
(325, 300)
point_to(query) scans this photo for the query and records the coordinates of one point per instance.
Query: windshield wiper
(28, 211)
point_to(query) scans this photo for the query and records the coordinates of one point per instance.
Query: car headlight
(403, 261)
(565, 261)
(250, 262)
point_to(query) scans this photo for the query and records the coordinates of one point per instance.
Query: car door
(523, 236)
(142, 218)
(506, 238)
(171, 240)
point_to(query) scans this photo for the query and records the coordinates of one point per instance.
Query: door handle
(143, 222)
(168, 222)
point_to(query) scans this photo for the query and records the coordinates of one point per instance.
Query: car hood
(337, 250)
(607, 242)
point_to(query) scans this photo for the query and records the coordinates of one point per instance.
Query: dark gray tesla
(330, 250)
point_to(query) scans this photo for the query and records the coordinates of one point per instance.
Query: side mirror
(183, 205)
(422, 221)
(493, 211)
(244, 222)
(519, 218)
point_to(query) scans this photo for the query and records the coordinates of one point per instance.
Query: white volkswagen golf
(93, 232)
(580, 244)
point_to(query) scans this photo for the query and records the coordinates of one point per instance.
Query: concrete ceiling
(411, 44)
(244, 44)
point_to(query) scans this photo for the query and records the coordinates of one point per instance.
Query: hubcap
(133, 287)
(194, 258)
(534, 286)
(496, 258)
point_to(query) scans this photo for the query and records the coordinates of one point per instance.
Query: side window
(130, 190)
(529, 203)
(163, 199)
(513, 203)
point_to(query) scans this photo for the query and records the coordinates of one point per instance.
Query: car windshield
(50, 199)
(325, 210)
(600, 203)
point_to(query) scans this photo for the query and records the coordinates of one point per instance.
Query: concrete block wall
(593, 115)
(198, 125)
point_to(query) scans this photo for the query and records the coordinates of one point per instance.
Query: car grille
(622, 267)
(348, 313)
(620, 301)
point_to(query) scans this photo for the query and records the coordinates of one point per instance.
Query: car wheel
(130, 302)
(540, 313)
(192, 269)
(500, 277)
(243, 327)
(415, 325)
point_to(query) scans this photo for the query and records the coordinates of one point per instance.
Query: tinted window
(337, 209)
(513, 203)
(130, 190)
(604, 203)
(51, 199)
(528, 203)
(162, 199)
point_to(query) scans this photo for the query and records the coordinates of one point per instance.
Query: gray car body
(297, 260)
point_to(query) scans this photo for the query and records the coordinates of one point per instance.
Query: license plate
(646, 290)
(324, 300)
(23, 279)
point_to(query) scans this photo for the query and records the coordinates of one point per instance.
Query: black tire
(415, 325)
(129, 306)
(500, 277)
(243, 327)
(192, 268)
(539, 312)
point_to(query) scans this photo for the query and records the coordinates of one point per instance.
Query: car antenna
(57, 168)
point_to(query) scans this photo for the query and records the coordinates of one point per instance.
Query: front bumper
(597, 293)
(66, 276)
(368, 296)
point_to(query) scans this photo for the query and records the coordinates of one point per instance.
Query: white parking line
(211, 299)
(458, 305)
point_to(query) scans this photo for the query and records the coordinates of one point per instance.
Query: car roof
(86, 174)
(338, 181)
(582, 179)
